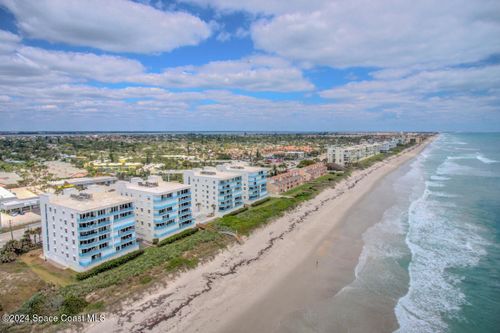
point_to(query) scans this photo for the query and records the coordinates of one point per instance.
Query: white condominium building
(254, 180)
(161, 208)
(214, 191)
(84, 229)
(351, 154)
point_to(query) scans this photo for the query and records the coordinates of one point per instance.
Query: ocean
(436, 252)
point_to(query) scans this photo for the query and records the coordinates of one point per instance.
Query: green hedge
(109, 265)
(260, 202)
(178, 236)
(236, 212)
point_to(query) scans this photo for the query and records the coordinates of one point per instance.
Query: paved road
(18, 234)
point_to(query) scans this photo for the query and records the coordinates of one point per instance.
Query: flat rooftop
(83, 180)
(24, 193)
(214, 174)
(162, 187)
(97, 200)
(246, 168)
(6, 194)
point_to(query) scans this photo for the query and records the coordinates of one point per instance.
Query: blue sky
(254, 65)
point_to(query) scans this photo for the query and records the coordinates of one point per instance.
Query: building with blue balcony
(83, 229)
(161, 208)
(254, 180)
(215, 192)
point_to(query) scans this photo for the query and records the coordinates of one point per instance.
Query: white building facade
(214, 191)
(161, 208)
(254, 180)
(346, 155)
(83, 229)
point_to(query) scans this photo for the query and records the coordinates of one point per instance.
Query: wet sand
(311, 297)
(264, 283)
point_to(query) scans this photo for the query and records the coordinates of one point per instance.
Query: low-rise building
(83, 229)
(254, 180)
(19, 201)
(313, 171)
(85, 181)
(161, 208)
(285, 181)
(213, 191)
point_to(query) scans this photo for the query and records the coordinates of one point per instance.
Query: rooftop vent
(148, 184)
(81, 196)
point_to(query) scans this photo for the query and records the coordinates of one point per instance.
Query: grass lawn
(46, 271)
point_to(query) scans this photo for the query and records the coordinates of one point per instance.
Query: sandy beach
(262, 284)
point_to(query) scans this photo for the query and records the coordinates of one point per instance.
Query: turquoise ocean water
(436, 252)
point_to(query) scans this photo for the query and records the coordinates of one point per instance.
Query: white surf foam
(434, 184)
(485, 160)
(443, 194)
(440, 178)
(450, 168)
(438, 241)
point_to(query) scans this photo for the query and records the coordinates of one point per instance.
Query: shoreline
(211, 297)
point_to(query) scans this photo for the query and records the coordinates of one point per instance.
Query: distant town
(72, 203)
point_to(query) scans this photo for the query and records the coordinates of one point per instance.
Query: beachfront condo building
(347, 155)
(295, 177)
(254, 180)
(161, 208)
(285, 181)
(313, 171)
(83, 229)
(215, 192)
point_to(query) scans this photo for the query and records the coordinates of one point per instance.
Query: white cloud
(23, 65)
(385, 33)
(450, 81)
(262, 6)
(8, 42)
(111, 25)
(255, 73)
(78, 65)
(438, 98)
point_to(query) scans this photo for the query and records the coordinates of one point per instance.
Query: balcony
(165, 205)
(95, 243)
(91, 253)
(120, 219)
(95, 225)
(165, 199)
(94, 235)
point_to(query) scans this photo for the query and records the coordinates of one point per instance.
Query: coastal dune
(262, 284)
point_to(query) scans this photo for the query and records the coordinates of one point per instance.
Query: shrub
(7, 256)
(176, 237)
(236, 212)
(181, 263)
(109, 265)
(260, 202)
(72, 305)
(145, 279)
(155, 241)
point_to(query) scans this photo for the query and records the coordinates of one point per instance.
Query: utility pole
(10, 227)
